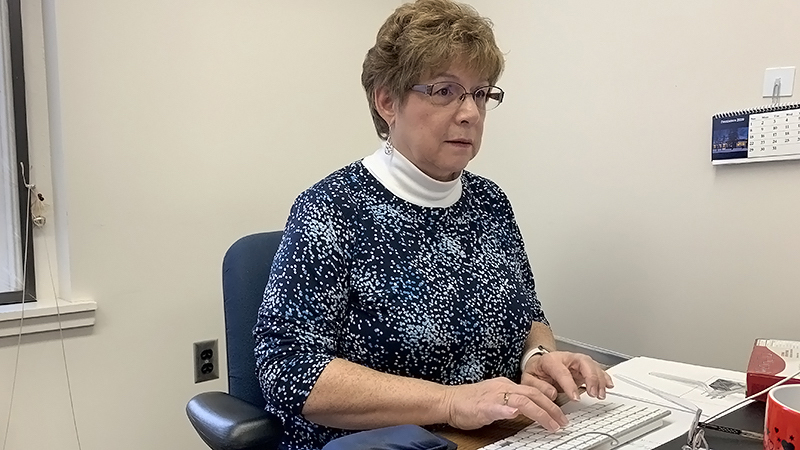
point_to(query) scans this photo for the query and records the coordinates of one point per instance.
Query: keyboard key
(589, 428)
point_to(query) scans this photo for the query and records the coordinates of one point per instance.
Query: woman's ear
(385, 105)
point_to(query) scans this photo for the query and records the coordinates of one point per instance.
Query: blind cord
(29, 188)
(63, 350)
(38, 199)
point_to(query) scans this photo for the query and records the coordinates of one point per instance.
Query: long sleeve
(299, 319)
(522, 263)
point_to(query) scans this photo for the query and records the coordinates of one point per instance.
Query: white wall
(185, 125)
(603, 145)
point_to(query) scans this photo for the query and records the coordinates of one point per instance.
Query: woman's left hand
(566, 371)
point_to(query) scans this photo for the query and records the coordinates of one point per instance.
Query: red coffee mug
(782, 423)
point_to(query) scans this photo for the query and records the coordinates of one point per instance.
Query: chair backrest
(245, 271)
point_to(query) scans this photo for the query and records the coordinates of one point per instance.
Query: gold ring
(505, 398)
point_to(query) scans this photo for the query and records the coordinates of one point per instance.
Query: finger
(601, 384)
(604, 383)
(590, 371)
(578, 379)
(543, 386)
(536, 397)
(559, 372)
(507, 412)
(496, 412)
(609, 381)
(586, 371)
(537, 407)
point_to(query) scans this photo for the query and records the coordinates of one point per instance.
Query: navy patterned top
(442, 294)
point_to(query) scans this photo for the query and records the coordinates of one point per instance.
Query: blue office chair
(237, 420)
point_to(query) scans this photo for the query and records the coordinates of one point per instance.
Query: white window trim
(45, 316)
(54, 308)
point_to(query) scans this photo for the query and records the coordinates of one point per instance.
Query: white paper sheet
(679, 421)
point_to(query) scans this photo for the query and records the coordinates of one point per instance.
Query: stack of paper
(725, 389)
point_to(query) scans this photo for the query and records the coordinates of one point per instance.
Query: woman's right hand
(471, 406)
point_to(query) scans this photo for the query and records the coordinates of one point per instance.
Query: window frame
(21, 151)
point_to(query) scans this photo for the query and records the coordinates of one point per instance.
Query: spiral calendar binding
(758, 110)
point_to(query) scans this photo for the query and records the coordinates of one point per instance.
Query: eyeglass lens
(445, 92)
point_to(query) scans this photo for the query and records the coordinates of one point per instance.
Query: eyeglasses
(445, 92)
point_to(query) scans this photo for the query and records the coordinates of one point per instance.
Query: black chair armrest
(225, 422)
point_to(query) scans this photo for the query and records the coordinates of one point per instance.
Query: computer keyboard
(624, 422)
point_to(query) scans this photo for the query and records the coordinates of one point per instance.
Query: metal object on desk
(749, 417)
(744, 433)
(695, 438)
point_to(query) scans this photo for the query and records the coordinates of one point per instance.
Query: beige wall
(186, 124)
(603, 145)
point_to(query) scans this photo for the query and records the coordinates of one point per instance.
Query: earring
(388, 148)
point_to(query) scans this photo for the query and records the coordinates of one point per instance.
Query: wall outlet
(206, 362)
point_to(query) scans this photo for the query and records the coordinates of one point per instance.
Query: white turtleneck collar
(403, 179)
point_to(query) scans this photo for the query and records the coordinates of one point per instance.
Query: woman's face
(439, 140)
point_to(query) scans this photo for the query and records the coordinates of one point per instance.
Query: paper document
(713, 390)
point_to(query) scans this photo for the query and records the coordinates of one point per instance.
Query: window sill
(46, 316)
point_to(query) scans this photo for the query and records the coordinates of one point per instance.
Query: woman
(401, 292)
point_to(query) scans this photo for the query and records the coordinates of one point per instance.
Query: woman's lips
(460, 143)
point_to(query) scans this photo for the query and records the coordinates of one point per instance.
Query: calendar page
(774, 133)
(770, 133)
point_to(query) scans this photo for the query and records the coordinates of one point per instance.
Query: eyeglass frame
(427, 89)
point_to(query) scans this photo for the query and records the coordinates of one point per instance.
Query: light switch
(786, 76)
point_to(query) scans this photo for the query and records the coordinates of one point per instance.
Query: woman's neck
(405, 180)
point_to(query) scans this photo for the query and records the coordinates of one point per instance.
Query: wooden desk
(475, 439)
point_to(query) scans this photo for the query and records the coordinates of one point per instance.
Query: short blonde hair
(421, 39)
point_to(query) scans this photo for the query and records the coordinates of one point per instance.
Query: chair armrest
(225, 422)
